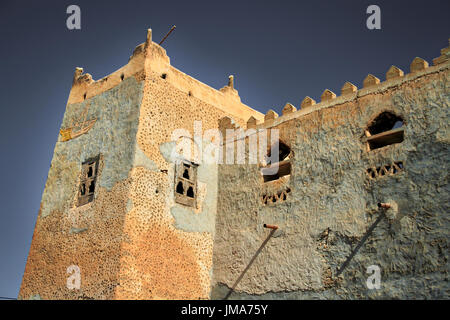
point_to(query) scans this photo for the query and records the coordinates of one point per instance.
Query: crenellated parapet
(226, 123)
(370, 80)
(418, 64)
(348, 88)
(307, 102)
(288, 108)
(327, 95)
(252, 122)
(394, 72)
(394, 77)
(270, 116)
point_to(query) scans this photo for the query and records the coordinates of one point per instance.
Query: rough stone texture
(135, 242)
(169, 255)
(333, 203)
(89, 236)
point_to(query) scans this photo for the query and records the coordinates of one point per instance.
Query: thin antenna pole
(170, 31)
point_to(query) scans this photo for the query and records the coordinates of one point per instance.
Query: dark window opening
(278, 165)
(122, 76)
(88, 181)
(92, 187)
(186, 174)
(164, 75)
(385, 130)
(384, 122)
(180, 188)
(284, 169)
(84, 96)
(283, 152)
(190, 192)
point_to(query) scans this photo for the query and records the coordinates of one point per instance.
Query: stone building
(362, 184)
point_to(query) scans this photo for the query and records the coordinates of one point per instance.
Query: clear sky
(278, 51)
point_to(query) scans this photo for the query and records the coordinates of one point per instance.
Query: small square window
(88, 181)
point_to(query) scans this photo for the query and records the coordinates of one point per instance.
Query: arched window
(384, 130)
(190, 192)
(180, 189)
(279, 164)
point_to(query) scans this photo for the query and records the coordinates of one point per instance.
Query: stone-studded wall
(88, 236)
(135, 242)
(169, 252)
(333, 202)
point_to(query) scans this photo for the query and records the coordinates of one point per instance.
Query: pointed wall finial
(370, 80)
(418, 64)
(231, 81)
(149, 36)
(288, 108)
(252, 122)
(307, 102)
(348, 87)
(327, 95)
(270, 115)
(394, 72)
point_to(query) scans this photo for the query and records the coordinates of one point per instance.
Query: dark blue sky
(278, 51)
